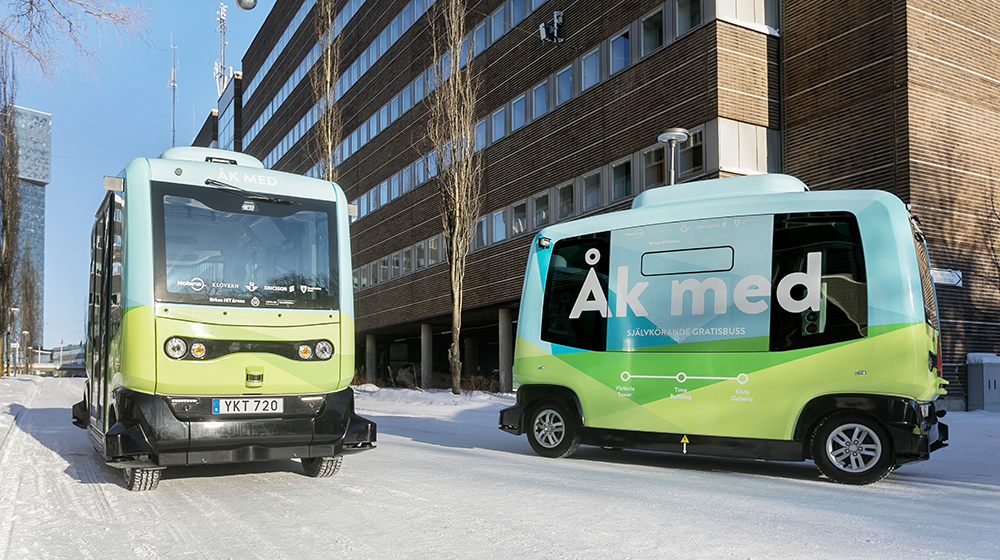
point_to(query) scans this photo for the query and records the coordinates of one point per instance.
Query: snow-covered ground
(444, 482)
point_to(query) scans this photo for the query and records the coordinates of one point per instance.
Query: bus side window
(843, 313)
(569, 267)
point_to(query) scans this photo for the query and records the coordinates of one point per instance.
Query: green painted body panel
(651, 397)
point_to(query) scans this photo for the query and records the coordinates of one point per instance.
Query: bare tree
(29, 298)
(46, 32)
(10, 203)
(323, 79)
(452, 131)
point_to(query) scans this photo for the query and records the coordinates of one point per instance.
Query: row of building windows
(605, 60)
(402, 22)
(606, 185)
(509, 14)
(302, 69)
(418, 256)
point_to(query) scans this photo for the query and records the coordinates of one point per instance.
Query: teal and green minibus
(220, 322)
(739, 317)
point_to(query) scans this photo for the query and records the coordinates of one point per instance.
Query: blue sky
(104, 117)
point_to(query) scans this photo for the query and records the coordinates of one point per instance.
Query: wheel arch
(888, 410)
(527, 395)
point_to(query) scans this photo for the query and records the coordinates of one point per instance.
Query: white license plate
(250, 405)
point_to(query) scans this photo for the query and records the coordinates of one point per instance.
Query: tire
(139, 479)
(851, 448)
(322, 467)
(553, 430)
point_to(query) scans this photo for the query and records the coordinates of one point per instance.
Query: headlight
(198, 350)
(305, 352)
(175, 348)
(324, 350)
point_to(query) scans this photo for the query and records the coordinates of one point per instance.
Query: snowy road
(444, 482)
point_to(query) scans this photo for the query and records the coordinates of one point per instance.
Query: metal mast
(221, 72)
(173, 93)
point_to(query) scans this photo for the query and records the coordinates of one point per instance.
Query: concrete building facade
(885, 94)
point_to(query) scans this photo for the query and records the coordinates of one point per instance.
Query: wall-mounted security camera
(246, 4)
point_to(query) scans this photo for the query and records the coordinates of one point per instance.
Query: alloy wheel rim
(549, 428)
(853, 448)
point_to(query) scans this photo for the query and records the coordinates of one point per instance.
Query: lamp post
(671, 137)
(7, 346)
(24, 357)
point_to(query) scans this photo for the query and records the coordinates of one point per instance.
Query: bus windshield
(218, 247)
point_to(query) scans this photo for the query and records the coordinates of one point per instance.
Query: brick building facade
(884, 94)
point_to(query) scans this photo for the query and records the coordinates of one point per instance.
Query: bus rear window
(926, 280)
(843, 313)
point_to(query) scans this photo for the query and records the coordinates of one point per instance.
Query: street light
(7, 342)
(671, 137)
(24, 358)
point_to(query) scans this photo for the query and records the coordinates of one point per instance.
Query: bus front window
(218, 248)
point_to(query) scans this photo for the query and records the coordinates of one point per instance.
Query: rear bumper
(166, 431)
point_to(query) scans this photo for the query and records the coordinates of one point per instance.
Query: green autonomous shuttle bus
(742, 317)
(220, 323)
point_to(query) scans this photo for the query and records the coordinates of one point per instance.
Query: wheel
(552, 430)
(139, 479)
(322, 467)
(851, 448)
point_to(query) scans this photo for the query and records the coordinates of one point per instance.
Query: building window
(407, 97)
(407, 177)
(564, 195)
(433, 252)
(421, 255)
(535, 4)
(357, 279)
(519, 218)
(497, 24)
(621, 180)
(479, 39)
(394, 261)
(539, 100)
(383, 272)
(407, 255)
(688, 15)
(363, 206)
(499, 125)
(517, 116)
(383, 193)
(516, 12)
(619, 52)
(691, 155)
(652, 166)
(564, 85)
(394, 189)
(418, 89)
(480, 135)
(591, 192)
(652, 32)
(541, 210)
(591, 69)
(373, 125)
(499, 226)
(479, 237)
(364, 277)
(418, 173)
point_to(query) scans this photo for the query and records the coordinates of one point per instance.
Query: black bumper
(511, 419)
(167, 431)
